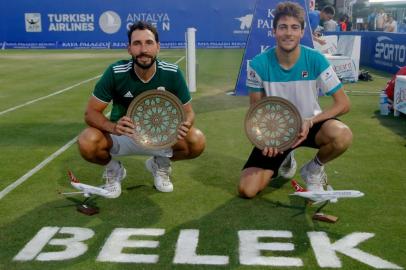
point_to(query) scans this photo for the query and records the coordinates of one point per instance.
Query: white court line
(25, 177)
(61, 91)
(180, 59)
(50, 95)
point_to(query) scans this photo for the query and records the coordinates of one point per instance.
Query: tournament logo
(110, 22)
(245, 24)
(33, 22)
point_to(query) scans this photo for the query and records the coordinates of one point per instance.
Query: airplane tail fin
(297, 187)
(72, 177)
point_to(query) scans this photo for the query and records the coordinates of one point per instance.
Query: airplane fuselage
(89, 190)
(329, 195)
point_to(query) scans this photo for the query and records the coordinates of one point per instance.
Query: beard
(143, 66)
(288, 50)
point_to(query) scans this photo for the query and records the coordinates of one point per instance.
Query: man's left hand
(306, 126)
(184, 129)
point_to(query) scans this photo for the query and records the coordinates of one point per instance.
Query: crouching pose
(121, 82)
(296, 73)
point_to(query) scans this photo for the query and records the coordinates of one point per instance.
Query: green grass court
(36, 121)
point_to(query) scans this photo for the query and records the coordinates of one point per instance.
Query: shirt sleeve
(104, 87)
(182, 91)
(327, 81)
(254, 81)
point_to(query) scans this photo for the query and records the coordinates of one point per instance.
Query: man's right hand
(271, 152)
(124, 126)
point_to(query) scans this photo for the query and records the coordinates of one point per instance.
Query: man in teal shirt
(296, 73)
(120, 84)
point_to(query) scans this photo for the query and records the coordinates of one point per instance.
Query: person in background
(391, 25)
(330, 25)
(402, 26)
(348, 22)
(343, 24)
(296, 73)
(372, 20)
(107, 138)
(380, 19)
(317, 19)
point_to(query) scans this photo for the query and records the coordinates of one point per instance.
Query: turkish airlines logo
(110, 22)
(33, 22)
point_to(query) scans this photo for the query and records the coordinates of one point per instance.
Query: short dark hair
(290, 9)
(329, 10)
(141, 25)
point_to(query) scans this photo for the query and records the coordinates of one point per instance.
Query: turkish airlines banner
(104, 23)
(261, 37)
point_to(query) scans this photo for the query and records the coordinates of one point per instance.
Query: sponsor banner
(104, 24)
(344, 67)
(400, 94)
(261, 37)
(29, 45)
(381, 50)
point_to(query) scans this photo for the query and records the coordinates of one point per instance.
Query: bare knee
(247, 192)
(92, 142)
(343, 140)
(192, 146)
(252, 181)
(336, 134)
(197, 143)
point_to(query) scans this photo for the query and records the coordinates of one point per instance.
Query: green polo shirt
(121, 85)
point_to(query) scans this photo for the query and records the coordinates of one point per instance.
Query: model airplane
(86, 190)
(328, 195)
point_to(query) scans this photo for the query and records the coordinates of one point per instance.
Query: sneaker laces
(323, 177)
(110, 176)
(163, 173)
(319, 177)
(113, 175)
(111, 187)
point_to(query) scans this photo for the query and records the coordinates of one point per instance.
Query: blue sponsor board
(104, 23)
(261, 37)
(381, 50)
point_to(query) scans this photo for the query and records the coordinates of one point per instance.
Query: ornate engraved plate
(273, 122)
(157, 115)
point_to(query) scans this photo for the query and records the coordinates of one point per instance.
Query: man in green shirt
(121, 82)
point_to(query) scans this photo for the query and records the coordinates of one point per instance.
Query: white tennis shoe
(315, 179)
(113, 179)
(160, 167)
(288, 167)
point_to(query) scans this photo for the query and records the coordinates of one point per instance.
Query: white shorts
(125, 146)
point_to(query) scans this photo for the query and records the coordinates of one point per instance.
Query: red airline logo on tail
(72, 177)
(297, 187)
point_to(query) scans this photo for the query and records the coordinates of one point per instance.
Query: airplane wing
(334, 200)
(71, 193)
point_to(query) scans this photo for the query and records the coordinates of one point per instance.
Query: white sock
(115, 148)
(315, 164)
(113, 165)
(163, 162)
